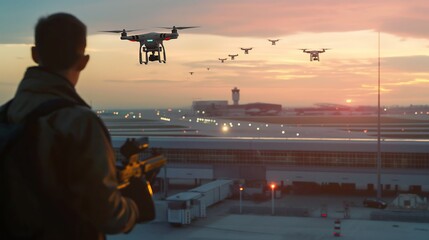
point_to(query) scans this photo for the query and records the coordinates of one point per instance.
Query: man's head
(60, 41)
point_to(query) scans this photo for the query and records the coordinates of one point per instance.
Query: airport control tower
(235, 95)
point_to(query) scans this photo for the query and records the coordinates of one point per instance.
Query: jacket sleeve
(92, 177)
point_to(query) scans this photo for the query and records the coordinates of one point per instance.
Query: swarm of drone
(314, 54)
(152, 45)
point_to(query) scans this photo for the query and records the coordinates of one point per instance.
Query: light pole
(273, 186)
(378, 128)
(241, 190)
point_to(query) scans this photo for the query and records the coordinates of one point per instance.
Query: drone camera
(153, 58)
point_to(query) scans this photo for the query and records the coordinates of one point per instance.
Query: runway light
(283, 132)
(225, 128)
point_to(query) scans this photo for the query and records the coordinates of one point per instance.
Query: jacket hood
(38, 86)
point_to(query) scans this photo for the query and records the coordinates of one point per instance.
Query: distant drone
(273, 41)
(233, 56)
(314, 54)
(222, 59)
(151, 42)
(191, 73)
(246, 50)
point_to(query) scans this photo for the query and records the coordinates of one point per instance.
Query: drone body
(233, 56)
(222, 59)
(314, 54)
(273, 41)
(151, 43)
(246, 50)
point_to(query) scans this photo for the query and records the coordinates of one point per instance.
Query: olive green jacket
(77, 167)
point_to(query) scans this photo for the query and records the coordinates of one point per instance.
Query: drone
(233, 56)
(246, 50)
(151, 43)
(273, 41)
(222, 59)
(191, 73)
(314, 54)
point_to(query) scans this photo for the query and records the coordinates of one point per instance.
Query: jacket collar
(41, 80)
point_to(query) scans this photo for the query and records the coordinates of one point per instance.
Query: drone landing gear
(155, 54)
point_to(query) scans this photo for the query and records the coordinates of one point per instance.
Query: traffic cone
(337, 228)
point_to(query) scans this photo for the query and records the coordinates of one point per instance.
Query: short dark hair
(59, 39)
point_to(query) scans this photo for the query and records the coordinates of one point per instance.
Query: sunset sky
(346, 74)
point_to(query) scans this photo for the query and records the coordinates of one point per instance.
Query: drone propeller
(123, 30)
(179, 28)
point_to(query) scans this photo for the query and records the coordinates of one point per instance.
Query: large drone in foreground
(314, 54)
(151, 43)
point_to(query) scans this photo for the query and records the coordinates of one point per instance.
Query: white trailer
(184, 207)
(214, 192)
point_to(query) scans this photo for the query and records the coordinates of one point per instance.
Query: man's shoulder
(80, 112)
(79, 121)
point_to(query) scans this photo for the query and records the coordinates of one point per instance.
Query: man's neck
(70, 75)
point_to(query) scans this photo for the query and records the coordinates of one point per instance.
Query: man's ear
(82, 62)
(35, 54)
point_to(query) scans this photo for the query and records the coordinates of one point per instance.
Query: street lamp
(241, 190)
(273, 186)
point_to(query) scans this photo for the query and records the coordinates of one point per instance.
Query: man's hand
(139, 191)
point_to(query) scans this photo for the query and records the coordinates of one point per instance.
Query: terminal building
(221, 108)
(342, 165)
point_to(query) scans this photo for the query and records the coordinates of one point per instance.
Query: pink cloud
(273, 18)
